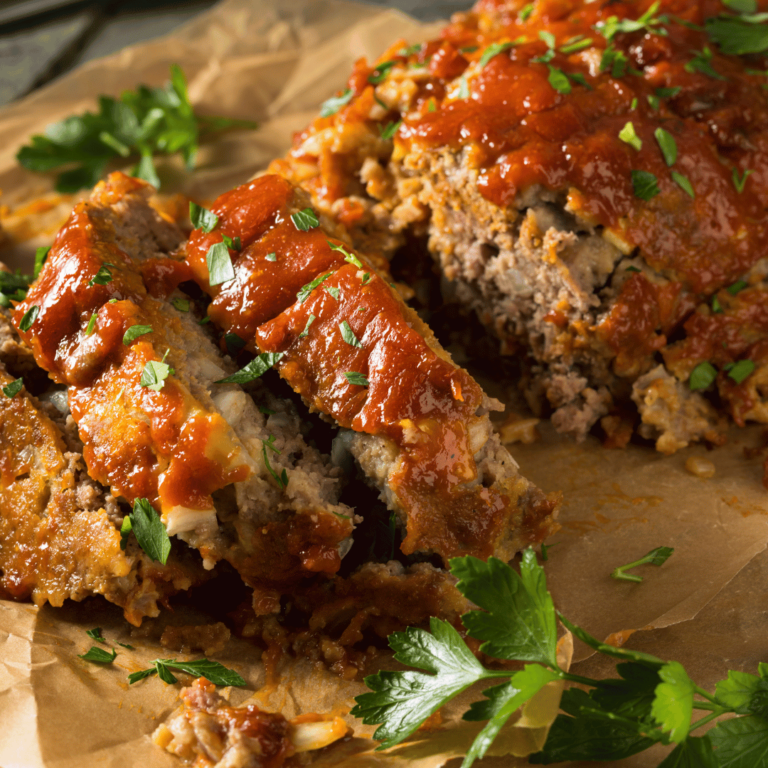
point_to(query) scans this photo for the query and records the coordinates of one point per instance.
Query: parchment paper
(276, 62)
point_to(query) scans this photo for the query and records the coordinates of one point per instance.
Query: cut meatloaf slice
(59, 529)
(228, 470)
(584, 183)
(339, 334)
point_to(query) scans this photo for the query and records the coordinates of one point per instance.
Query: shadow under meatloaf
(522, 139)
(59, 529)
(154, 420)
(339, 334)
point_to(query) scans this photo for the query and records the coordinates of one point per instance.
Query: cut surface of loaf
(592, 186)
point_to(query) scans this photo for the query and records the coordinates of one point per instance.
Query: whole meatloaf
(592, 180)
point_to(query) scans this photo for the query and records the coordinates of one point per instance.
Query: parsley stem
(704, 720)
(705, 695)
(707, 706)
(583, 680)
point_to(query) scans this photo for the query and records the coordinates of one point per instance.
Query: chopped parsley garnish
(91, 327)
(740, 370)
(134, 332)
(254, 370)
(181, 304)
(740, 180)
(13, 389)
(29, 317)
(13, 286)
(432, 106)
(98, 655)
(305, 219)
(149, 531)
(668, 93)
(615, 61)
(741, 6)
(656, 557)
(303, 294)
(739, 35)
(311, 319)
(267, 411)
(628, 136)
(41, 254)
(282, 478)
(366, 278)
(684, 183)
(335, 103)
(232, 242)
(202, 218)
(125, 529)
(545, 550)
(716, 306)
(143, 123)
(702, 376)
(654, 101)
(737, 287)
(667, 144)
(493, 50)
(558, 80)
(349, 335)
(409, 50)
(356, 379)
(271, 256)
(644, 184)
(95, 634)
(220, 269)
(463, 87)
(102, 277)
(212, 671)
(379, 73)
(389, 130)
(701, 62)
(155, 373)
(348, 257)
(648, 21)
(548, 38)
(633, 105)
(332, 291)
(578, 43)
(204, 321)
(525, 12)
(233, 343)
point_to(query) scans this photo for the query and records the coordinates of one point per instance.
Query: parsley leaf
(644, 184)
(701, 62)
(493, 50)
(743, 693)
(271, 256)
(740, 370)
(648, 21)
(13, 389)
(740, 181)
(349, 335)
(558, 80)
(737, 287)
(212, 671)
(125, 528)
(702, 376)
(134, 332)
(102, 277)
(614, 60)
(667, 144)
(256, 368)
(41, 254)
(220, 269)
(684, 183)
(578, 43)
(155, 373)
(657, 556)
(98, 655)
(95, 634)
(149, 531)
(335, 103)
(738, 35)
(303, 294)
(389, 130)
(526, 11)
(379, 73)
(91, 327)
(202, 218)
(741, 742)
(628, 136)
(673, 704)
(348, 257)
(282, 478)
(305, 220)
(232, 242)
(356, 379)
(311, 319)
(29, 317)
(181, 304)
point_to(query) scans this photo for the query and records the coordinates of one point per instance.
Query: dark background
(41, 39)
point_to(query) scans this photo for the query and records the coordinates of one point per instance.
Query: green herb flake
(356, 379)
(628, 136)
(575, 44)
(548, 38)
(349, 335)
(716, 306)
(232, 242)
(305, 219)
(380, 72)
(134, 332)
(202, 218)
(702, 63)
(125, 529)
(271, 256)
(311, 319)
(741, 370)
(254, 370)
(233, 343)
(91, 327)
(668, 93)
(740, 180)
(654, 102)
(702, 376)
(95, 634)
(493, 50)
(525, 12)
(182, 305)
(335, 103)
(657, 557)
(632, 268)
(366, 278)
(683, 183)
(204, 321)
(267, 411)
(41, 254)
(13, 389)
(739, 35)
(220, 269)
(29, 317)
(102, 277)
(282, 478)
(737, 287)
(615, 61)
(648, 22)
(667, 144)
(212, 671)
(304, 293)
(463, 87)
(350, 258)
(558, 80)
(155, 373)
(633, 105)
(149, 531)
(644, 184)
(333, 291)
(98, 655)
(388, 131)
(126, 645)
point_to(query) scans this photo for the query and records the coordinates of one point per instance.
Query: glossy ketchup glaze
(351, 350)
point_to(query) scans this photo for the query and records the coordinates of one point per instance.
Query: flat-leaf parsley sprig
(650, 701)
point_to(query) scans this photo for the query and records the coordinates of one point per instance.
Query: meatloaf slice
(586, 174)
(339, 334)
(59, 529)
(228, 470)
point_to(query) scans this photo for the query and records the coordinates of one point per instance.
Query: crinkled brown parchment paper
(275, 62)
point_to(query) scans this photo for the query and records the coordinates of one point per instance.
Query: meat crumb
(208, 638)
(700, 467)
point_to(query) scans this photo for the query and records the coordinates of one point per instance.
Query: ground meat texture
(355, 352)
(195, 448)
(208, 638)
(527, 193)
(207, 731)
(60, 530)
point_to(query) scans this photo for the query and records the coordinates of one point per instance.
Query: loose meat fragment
(228, 470)
(343, 339)
(581, 188)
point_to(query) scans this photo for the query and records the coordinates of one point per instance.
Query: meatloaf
(591, 180)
